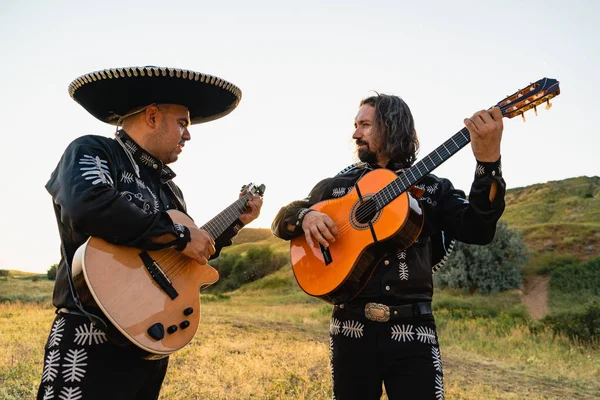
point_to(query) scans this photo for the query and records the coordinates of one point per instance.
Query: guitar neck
(225, 218)
(415, 173)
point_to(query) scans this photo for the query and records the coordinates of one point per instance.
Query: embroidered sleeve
(84, 185)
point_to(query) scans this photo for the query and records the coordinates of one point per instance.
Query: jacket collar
(143, 158)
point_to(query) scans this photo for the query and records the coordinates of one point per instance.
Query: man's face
(172, 132)
(368, 141)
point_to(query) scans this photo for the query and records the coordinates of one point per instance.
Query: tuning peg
(535, 110)
(548, 104)
(523, 116)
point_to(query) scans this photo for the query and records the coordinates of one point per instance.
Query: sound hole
(365, 212)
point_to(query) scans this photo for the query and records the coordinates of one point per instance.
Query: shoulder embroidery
(96, 170)
(339, 192)
(358, 165)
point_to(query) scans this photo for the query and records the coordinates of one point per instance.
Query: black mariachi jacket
(114, 190)
(404, 276)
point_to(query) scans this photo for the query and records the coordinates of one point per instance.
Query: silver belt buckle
(377, 312)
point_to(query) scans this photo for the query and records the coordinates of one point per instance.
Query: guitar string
(371, 208)
(174, 269)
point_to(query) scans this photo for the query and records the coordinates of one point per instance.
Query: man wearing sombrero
(120, 189)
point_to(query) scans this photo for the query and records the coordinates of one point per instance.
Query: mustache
(361, 142)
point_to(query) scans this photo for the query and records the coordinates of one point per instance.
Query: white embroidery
(401, 255)
(51, 367)
(147, 160)
(448, 250)
(71, 393)
(437, 359)
(480, 170)
(352, 329)
(426, 335)
(131, 146)
(331, 355)
(126, 177)
(73, 367)
(339, 192)
(439, 387)
(334, 326)
(402, 333)
(403, 271)
(89, 334)
(140, 183)
(48, 393)
(98, 171)
(56, 332)
(432, 189)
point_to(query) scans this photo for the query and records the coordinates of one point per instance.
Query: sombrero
(112, 93)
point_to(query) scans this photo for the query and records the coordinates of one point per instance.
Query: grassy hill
(562, 217)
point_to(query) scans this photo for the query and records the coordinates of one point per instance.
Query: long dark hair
(395, 123)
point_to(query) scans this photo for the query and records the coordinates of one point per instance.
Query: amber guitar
(151, 297)
(382, 207)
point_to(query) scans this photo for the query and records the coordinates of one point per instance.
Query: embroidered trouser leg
(80, 362)
(403, 354)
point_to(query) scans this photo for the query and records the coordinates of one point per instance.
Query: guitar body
(116, 280)
(340, 275)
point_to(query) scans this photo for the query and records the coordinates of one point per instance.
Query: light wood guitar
(151, 297)
(382, 207)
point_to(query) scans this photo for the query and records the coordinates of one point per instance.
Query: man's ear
(151, 116)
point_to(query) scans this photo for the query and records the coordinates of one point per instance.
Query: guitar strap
(94, 319)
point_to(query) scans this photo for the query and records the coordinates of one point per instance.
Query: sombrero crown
(112, 93)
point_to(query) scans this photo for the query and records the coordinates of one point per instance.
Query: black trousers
(81, 363)
(402, 354)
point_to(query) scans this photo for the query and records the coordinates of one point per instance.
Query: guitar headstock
(252, 189)
(530, 97)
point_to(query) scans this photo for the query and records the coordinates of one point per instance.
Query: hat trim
(116, 73)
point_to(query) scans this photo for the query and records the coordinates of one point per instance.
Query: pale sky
(302, 67)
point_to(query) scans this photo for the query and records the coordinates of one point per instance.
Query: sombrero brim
(112, 93)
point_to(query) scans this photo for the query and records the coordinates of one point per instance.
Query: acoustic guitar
(380, 207)
(151, 297)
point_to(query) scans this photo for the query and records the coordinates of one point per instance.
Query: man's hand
(319, 226)
(253, 211)
(201, 245)
(486, 128)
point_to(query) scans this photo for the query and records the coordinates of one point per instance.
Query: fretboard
(415, 173)
(225, 218)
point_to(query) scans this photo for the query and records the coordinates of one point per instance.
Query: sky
(302, 67)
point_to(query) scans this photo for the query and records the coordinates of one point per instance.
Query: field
(269, 340)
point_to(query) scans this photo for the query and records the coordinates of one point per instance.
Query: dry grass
(267, 345)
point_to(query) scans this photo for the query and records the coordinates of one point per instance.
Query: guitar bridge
(158, 275)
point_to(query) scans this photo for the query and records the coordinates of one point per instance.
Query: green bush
(491, 268)
(236, 270)
(580, 325)
(4, 273)
(582, 279)
(52, 272)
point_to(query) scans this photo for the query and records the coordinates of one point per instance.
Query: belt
(382, 313)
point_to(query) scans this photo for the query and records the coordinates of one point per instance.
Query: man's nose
(356, 134)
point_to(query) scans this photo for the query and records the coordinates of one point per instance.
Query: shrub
(492, 268)
(4, 273)
(582, 325)
(52, 272)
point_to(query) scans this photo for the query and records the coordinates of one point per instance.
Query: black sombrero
(112, 93)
